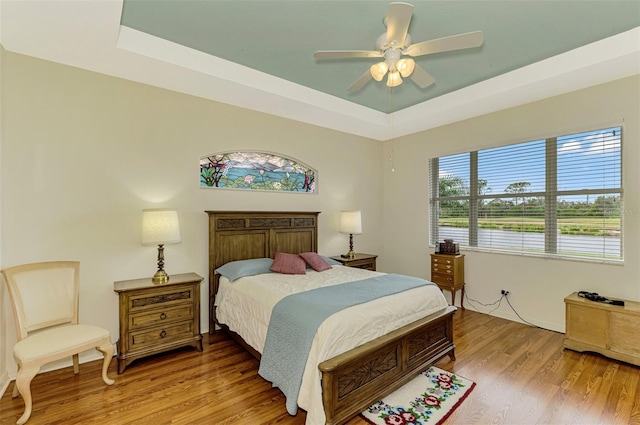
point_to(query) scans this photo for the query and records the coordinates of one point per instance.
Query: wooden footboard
(358, 378)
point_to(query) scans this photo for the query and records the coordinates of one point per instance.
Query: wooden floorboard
(523, 376)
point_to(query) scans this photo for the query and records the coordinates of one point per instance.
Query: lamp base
(160, 277)
(351, 254)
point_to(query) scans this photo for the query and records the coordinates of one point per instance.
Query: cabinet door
(625, 329)
(588, 325)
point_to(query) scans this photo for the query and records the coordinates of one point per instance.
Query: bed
(347, 382)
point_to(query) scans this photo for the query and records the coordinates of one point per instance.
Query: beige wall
(4, 378)
(84, 153)
(538, 286)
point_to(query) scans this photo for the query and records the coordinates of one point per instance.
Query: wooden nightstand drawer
(443, 261)
(364, 264)
(441, 268)
(361, 261)
(152, 337)
(160, 297)
(160, 316)
(442, 279)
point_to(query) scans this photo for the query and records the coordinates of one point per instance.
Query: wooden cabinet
(613, 331)
(447, 271)
(156, 318)
(362, 261)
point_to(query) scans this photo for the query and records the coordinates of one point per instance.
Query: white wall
(84, 153)
(538, 286)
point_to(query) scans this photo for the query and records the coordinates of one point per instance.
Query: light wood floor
(522, 373)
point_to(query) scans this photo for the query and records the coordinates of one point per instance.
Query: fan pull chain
(393, 169)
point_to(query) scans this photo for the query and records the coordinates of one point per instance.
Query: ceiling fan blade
(339, 54)
(360, 82)
(446, 44)
(421, 77)
(398, 23)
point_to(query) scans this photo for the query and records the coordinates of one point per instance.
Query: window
(559, 197)
(254, 170)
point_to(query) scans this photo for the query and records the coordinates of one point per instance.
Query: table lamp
(351, 223)
(160, 226)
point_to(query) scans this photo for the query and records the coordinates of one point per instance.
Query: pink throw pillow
(316, 262)
(288, 264)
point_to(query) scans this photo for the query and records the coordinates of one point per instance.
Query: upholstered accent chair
(44, 297)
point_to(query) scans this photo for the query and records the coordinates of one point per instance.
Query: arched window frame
(257, 170)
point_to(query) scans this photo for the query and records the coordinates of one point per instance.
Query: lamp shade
(351, 222)
(160, 227)
(394, 79)
(405, 66)
(378, 70)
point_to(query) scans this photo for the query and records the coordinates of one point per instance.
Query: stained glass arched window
(254, 170)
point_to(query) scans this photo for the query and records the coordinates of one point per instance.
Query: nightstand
(447, 271)
(157, 318)
(362, 261)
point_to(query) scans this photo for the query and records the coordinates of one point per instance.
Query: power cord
(520, 317)
(499, 302)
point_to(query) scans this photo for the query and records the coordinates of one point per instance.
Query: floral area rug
(428, 399)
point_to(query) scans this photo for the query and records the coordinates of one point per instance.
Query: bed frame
(356, 379)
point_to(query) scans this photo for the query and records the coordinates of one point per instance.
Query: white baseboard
(4, 382)
(509, 315)
(537, 322)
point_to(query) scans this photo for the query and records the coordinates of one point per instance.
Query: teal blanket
(296, 318)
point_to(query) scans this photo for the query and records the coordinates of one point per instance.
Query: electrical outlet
(504, 292)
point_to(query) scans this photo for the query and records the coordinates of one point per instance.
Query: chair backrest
(43, 294)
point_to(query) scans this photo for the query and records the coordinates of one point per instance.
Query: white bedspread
(245, 306)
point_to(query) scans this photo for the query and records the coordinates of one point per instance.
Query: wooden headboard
(243, 235)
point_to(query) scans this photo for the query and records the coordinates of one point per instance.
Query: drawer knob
(163, 316)
(449, 279)
(163, 333)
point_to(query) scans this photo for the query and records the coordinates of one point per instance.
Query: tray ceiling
(259, 54)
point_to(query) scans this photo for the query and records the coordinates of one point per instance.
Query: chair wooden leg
(16, 392)
(107, 351)
(76, 363)
(23, 383)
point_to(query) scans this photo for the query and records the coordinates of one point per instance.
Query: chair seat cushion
(57, 342)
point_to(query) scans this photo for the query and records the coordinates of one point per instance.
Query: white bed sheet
(245, 306)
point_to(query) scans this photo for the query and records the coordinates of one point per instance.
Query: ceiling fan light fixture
(394, 79)
(405, 66)
(379, 70)
(395, 43)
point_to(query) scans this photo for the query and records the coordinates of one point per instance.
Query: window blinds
(556, 197)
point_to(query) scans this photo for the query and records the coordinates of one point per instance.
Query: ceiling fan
(395, 44)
